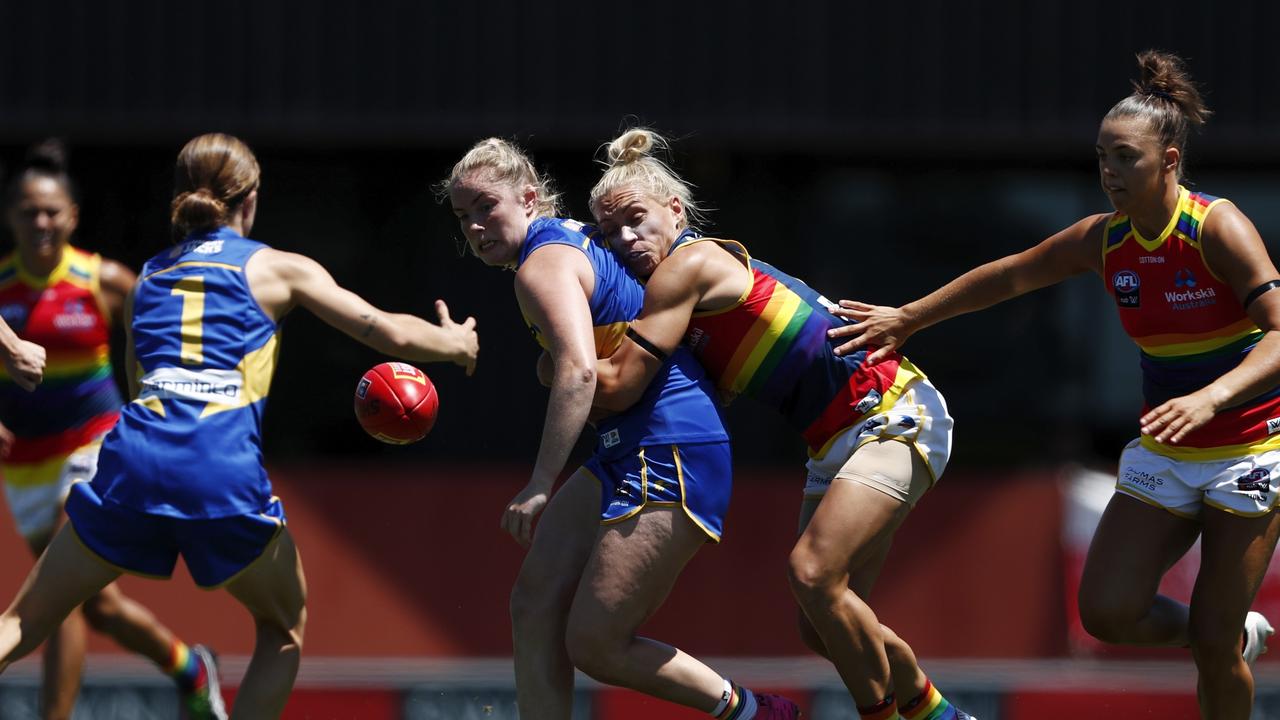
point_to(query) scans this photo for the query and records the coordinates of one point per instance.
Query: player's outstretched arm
(281, 280)
(1072, 251)
(23, 360)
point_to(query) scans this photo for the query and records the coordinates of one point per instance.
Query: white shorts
(919, 418)
(1245, 485)
(36, 508)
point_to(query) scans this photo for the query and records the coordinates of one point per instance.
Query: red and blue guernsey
(189, 446)
(1190, 327)
(772, 345)
(78, 400)
(678, 406)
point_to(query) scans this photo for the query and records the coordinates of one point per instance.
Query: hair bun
(632, 146)
(47, 155)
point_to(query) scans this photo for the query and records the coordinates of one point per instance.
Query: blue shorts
(215, 550)
(697, 478)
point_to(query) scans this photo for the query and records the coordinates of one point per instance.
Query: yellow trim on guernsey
(256, 368)
(29, 475)
(1223, 452)
(195, 263)
(907, 373)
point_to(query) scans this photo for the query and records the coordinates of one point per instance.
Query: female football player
(879, 434)
(1193, 285)
(616, 536)
(67, 300)
(181, 472)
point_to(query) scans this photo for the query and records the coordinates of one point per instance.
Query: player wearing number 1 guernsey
(206, 351)
(68, 300)
(181, 473)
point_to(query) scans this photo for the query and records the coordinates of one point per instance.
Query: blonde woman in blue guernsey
(181, 472)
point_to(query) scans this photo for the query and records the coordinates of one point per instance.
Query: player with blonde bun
(181, 472)
(879, 434)
(1192, 283)
(614, 539)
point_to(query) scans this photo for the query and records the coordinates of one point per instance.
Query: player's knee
(100, 611)
(283, 629)
(534, 600)
(895, 648)
(595, 651)
(1107, 618)
(812, 580)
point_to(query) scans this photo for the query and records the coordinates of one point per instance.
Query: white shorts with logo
(919, 418)
(36, 508)
(1245, 485)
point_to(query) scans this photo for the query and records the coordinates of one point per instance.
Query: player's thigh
(65, 575)
(565, 535)
(274, 588)
(1134, 545)
(853, 524)
(632, 569)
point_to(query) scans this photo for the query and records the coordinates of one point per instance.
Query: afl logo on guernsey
(1126, 285)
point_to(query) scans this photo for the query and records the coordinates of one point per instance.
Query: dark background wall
(876, 150)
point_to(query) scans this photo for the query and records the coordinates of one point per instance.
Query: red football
(396, 403)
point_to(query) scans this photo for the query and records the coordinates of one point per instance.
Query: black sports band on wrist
(649, 347)
(1257, 292)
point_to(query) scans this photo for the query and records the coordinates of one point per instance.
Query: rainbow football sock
(183, 667)
(886, 709)
(737, 703)
(928, 705)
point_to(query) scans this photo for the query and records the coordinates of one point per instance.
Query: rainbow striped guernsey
(1189, 326)
(772, 345)
(78, 400)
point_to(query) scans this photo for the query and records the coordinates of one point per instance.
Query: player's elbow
(577, 376)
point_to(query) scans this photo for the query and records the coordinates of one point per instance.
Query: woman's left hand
(1174, 420)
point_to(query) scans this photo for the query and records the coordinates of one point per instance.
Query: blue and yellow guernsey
(189, 446)
(678, 406)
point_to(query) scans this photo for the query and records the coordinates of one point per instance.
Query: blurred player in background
(68, 300)
(181, 472)
(879, 434)
(617, 535)
(1193, 285)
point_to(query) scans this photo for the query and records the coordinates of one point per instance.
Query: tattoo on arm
(368, 329)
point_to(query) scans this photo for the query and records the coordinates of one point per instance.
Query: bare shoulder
(116, 275)
(1225, 221)
(282, 264)
(699, 261)
(1090, 228)
(552, 265)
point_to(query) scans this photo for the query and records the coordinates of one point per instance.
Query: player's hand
(518, 519)
(1174, 420)
(26, 365)
(878, 326)
(464, 335)
(6, 440)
